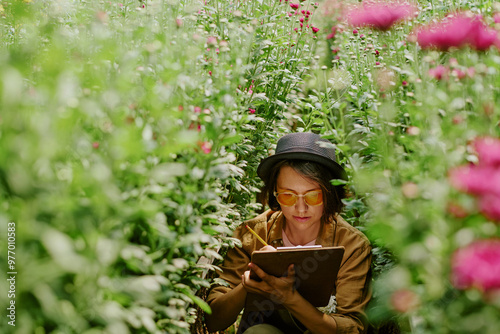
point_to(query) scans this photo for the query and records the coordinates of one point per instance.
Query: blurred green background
(130, 133)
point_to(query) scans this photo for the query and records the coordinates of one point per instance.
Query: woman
(304, 210)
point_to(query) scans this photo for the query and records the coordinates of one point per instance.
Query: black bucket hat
(303, 146)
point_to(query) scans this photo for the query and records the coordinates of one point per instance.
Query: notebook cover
(316, 271)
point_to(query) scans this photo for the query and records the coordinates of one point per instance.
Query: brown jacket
(353, 280)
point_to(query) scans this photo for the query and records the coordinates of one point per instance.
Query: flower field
(130, 134)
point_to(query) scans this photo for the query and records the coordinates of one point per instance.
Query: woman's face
(300, 215)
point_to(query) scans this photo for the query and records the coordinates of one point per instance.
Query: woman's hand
(278, 289)
(268, 248)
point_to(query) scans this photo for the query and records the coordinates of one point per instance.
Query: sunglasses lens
(314, 198)
(287, 199)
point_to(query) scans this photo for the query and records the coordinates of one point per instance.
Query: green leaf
(199, 302)
(231, 139)
(338, 182)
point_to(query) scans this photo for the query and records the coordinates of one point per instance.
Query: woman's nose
(301, 204)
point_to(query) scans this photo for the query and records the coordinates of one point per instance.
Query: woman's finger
(291, 271)
(261, 273)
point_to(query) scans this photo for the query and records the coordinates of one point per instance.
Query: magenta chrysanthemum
(439, 72)
(380, 15)
(476, 179)
(457, 31)
(488, 150)
(482, 179)
(477, 266)
(333, 33)
(490, 206)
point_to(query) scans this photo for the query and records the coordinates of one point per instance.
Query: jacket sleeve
(353, 288)
(237, 258)
(235, 263)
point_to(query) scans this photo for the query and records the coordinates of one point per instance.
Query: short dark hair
(332, 195)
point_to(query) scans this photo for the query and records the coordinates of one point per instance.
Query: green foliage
(130, 135)
(129, 151)
(403, 130)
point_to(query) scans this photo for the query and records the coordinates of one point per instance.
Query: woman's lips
(301, 219)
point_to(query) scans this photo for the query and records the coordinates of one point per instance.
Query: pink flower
(314, 29)
(178, 22)
(333, 33)
(206, 147)
(488, 150)
(471, 71)
(485, 38)
(355, 32)
(458, 73)
(457, 31)
(439, 73)
(476, 180)
(489, 206)
(211, 40)
(251, 111)
(95, 145)
(482, 179)
(457, 119)
(477, 266)
(379, 14)
(295, 5)
(197, 110)
(404, 300)
(496, 18)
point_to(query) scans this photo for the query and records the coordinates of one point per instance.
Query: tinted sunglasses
(288, 198)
